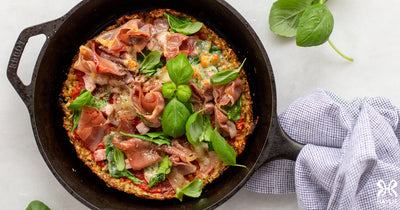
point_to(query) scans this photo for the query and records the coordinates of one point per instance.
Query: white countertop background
(368, 31)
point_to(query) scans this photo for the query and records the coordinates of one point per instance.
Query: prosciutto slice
(90, 62)
(202, 97)
(140, 154)
(150, 104)
(222, 121)
(228, 94)
(132, 33)
(92, 127)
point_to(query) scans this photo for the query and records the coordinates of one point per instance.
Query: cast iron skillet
(88, 18)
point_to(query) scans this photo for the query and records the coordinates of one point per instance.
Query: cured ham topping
(92, 127)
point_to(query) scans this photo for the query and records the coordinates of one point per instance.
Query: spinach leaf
(179, 69)
(150, 63)
(208, 131)
(315, 26)
(214, 49)
(224, 151)
(37, 205)
(156, 137)
(163, 169)
(194, 128)
(116, 162)
(285, 14)
(174, 118)
(194, 60)
(192, 189)
(225, 76)
(183, 25)
(168, 90)
(234, 111)
(183, 93)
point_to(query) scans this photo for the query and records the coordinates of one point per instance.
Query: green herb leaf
(194, 60)
(224, 151)
(285, 15)
(179, 69)
(174, 118)
(194, 128)
(183, 93)
(84, 98)
(234, 111)
(214, 49)
(159, 138)
(119, 159)
(315, 26)
(225, 76)
(37, 205)
(192, 189)
(163, 169)
(168, 90)
(183, 25)
(151, 60)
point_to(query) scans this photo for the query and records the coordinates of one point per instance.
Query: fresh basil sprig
(156, 137)
(195, 127)
(116, 162)
(150, 63)
(234, 111)
(183, 92)
(224, 151)
(174, 118)
(164, 168)
(179, 69)
(309, 20)
(85, 98)
(192, 189)
(37, 205)
(225, 76)
(182, 25)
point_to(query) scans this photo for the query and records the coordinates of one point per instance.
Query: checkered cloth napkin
(351, 159)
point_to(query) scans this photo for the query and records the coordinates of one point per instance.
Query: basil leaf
(315, 26)
(159, 138)
(174, 118)
(224, 151)
(168, 90)
(179, 69)
(225, 76)
(183, 93)
(319, 1)
(148, 72)
(75, 119)
(151, 60)
(285, 15)
(119, 159)
(192, 189)
(98, 103)
(163, 169)
(84, 98)
(234, 111)
(194, 128)
(37, 205)
(189, 28)
(182, 25)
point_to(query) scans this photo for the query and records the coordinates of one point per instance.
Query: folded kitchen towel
(351, 159)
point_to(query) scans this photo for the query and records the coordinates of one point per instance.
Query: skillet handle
(26, 91)
(279, 145)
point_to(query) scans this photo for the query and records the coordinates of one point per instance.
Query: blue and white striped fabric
(351, 159)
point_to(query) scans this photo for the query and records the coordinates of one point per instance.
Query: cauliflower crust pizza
(157, 105)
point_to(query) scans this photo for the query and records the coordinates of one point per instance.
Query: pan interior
(88, 19)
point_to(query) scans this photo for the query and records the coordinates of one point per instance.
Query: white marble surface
(366, 30)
